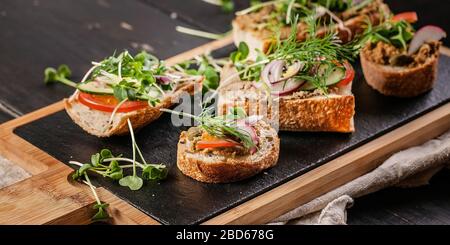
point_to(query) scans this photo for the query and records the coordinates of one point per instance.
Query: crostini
(123, 87)
(305, 86)
(257, 26)
(228, 148)
(398, 62)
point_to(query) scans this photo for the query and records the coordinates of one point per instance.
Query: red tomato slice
(204, 144)
(349, 75)
(108, 103)
(410, 17)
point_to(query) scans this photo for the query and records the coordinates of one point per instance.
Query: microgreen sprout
(206, 66)
(108, 165)
(227, 5)
(133, 78)
(220, 126)
(52, 75)
(198, 33)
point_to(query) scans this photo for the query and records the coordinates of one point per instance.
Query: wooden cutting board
(310, 164)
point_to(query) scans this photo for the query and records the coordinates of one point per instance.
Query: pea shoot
(106, 164)
(62, 75)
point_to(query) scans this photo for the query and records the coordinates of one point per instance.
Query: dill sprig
(326, 52)
(219, 126)
(313, 52)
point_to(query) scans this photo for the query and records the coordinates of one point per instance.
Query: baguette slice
(212, 168)
(310, 112)
(244, 31)
(97, 122)
(401, 81)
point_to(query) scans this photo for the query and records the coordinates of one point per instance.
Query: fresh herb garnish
(240, 54)
(105, 164)
(205, 66)
(220, 126)
(62, 75)
(226, 5)
(126, 77)
(81, 175)
(198, 33)
(283, 10)
(131, 78)
(396, 33)
(325, 52)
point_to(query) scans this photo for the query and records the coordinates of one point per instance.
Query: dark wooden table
(40, 33)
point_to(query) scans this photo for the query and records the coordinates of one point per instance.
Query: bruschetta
(260, 24)
(225, 149)
(123, 87)
(397, 61)
(303, 86)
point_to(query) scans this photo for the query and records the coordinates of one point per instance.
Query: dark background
(35, 34)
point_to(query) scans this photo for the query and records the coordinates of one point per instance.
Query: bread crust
(202, 169)
(318, 113)
(138, 118)
(399, 81)
(332, 114)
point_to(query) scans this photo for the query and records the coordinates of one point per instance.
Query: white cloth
(10, 173)
(409, 168)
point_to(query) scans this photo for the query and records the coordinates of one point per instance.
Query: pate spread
(386, 54)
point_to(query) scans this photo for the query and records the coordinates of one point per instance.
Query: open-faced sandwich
(258, 25)
(399, 62)
(305, 85)
(227, 148)
(124, 87)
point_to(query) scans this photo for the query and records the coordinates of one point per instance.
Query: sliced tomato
(108, 103)
(349, 75)
(410, 17)
(204, 144)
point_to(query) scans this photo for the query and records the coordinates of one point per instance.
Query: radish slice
(425, 34)
(164, 80)
(244, 126)
(286, 87)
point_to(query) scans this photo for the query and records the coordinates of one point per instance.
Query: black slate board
(181, 200)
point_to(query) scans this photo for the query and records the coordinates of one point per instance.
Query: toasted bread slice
(302, 111)
(401, 81)
(98, 123)
(216, 168)
(244, 27)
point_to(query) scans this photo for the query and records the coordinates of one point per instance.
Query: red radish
(244, 126)
(425, 34)
(410, 17)
(164, 80)
(286, 87)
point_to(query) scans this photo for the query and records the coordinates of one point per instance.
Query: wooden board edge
(272, 204)
(50, 198)
(208, 47)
